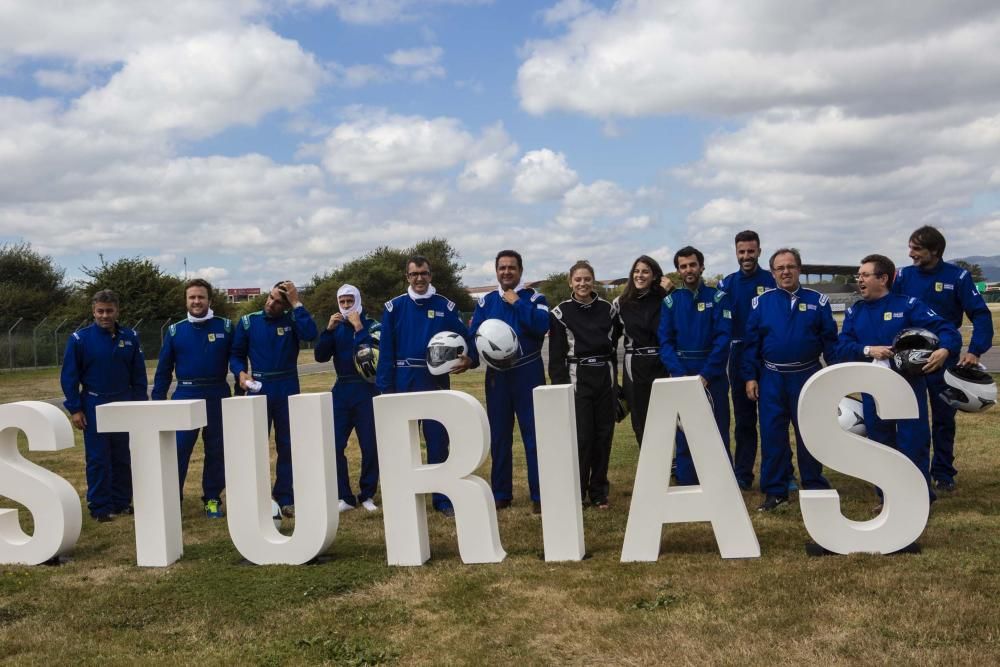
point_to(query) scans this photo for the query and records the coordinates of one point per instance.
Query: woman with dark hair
(638, 312)
(582, 338)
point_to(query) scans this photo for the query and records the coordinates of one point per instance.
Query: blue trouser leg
(213, 476)
(363, 413)
(121, 472)
(437, 452)
(942, 430)
(524, 407)
(97, 447)
(500, 412)
(775, 415)
(342, 427)
(810, 470)
(745, 417)
(911, 437)
(277, 415)
(719, 390)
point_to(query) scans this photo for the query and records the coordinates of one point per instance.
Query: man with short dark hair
(868, 332)
(694, 334)
(742, 287)
(197, 348)
(789, 327)
(409, 321)
(104, 364)
(950, 291)
(270, 339)
(509, 390)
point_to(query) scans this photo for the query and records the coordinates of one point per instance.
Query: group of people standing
(760, 333)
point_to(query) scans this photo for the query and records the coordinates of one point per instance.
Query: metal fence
(42, 343)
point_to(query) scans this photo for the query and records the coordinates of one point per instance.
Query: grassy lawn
(689, 607)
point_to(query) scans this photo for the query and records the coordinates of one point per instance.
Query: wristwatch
(867, 351)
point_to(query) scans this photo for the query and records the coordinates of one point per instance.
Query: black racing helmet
(911, 349)
(366, 361)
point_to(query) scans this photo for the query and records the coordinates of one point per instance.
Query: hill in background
(990, 265)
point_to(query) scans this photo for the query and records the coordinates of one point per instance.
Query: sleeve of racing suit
(979, 314)
(164, 369)
(558, 349)
(667, 337)
(385, 373)
(138, 378)
(750, 361)
(722, 334)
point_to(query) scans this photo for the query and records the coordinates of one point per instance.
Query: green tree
(556, 288)
(31, 285)
(144, 291)
(380, 275)
(974, 270)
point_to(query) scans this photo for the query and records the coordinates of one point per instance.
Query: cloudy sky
(265, 140)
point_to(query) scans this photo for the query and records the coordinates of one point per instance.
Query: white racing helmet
(969, 389)
(497, 344)
(366, 361)
(443, 352)
(851, 416)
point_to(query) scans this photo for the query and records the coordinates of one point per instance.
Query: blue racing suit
(949, 290)
(695, 330)
(272, 346)
(742, 288)
(509, 392)
(101, 367)
(408, 324)
(785, 335)
(352, 405)
(199, 353)
(876, 323)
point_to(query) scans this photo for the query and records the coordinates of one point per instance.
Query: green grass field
(690, 607)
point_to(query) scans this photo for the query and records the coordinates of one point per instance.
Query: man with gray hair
(104, 364)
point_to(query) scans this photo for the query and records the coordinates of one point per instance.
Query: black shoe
(601, 503)
(944, 485)
(103, 518)
(536, 507)
(126, 511)
(744, 486)
(447, 512)
(502, 504)
(772, 503)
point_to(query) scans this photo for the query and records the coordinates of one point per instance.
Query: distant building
(240, 294)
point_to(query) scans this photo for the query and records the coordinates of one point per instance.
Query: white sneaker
(369, 505)
(345, 506)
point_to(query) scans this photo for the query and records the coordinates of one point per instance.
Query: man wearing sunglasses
(409, 321)
(270, 340)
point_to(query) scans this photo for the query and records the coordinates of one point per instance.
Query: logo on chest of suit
(701, 306)
(802, 307)
(121, 343)
(211, 338)
(760, 290)
(282, 330)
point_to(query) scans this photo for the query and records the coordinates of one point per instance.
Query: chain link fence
(42, 343)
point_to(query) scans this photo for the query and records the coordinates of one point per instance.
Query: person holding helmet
(869, 330)
(788, 328)
(583, 335)
(696, 325)
(348, 330)
(509, 390)
(950, 291)
(197, 349)
(409, 321)
(638, 310)
(742, 287)
(269, 339)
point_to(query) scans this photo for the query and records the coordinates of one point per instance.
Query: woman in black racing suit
(638, 311)
(582, 339)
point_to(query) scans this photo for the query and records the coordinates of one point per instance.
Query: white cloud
(167, 87)
(372, 12)
(638, 222)
(385, 149)
(92, 32)
(586, 203)
(63, 81)
(712, 56)
(542, 175)
(566, 10)
(491, 161)
(212, 274)
(418, 57)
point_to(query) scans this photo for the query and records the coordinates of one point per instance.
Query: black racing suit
(582, 339)
(639, 319)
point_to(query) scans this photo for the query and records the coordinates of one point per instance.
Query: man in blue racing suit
(509, 390)
(197, 348)
(409, 321)
(270, 339)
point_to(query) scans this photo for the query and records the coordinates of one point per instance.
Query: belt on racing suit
(791, 367)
